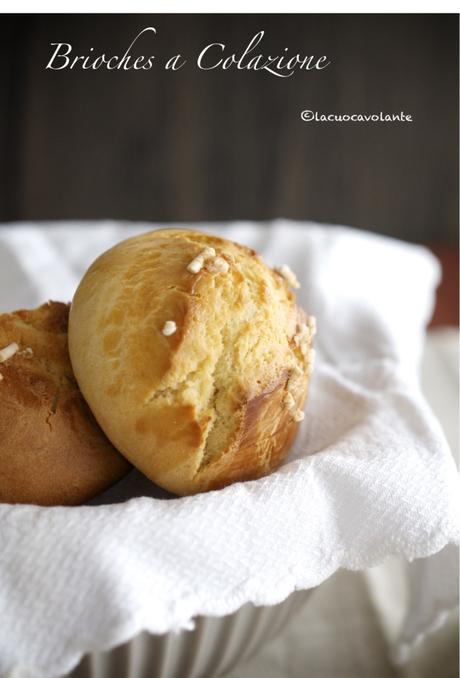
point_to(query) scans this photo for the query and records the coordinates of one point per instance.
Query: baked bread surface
(204, 406)
(52, 450)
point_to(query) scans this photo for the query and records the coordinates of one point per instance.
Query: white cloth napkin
(370, 474)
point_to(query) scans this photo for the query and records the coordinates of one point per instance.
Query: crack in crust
(212, 405)
(174, 391)
(227, 424)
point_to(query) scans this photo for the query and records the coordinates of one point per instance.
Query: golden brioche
(51, 449)
(193, 357)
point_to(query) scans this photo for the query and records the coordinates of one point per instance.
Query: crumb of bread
(27, 351)
(169, 328)
(217, 265)
(196, 264)
(301, 331)
(289, 401)
(302, 338)
(293, 379)
(289, 276)
(290, 404)
(8, 351)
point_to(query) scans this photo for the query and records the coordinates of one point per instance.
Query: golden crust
(51, 449)
(205, 406)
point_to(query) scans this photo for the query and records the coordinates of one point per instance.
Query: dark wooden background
(195, 145)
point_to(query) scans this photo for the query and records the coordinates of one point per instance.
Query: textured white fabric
(370, 474)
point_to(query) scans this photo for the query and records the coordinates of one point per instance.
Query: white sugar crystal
(8, 351)
(169, 328)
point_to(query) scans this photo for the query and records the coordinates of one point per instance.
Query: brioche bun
(51, 449)
(191, 361)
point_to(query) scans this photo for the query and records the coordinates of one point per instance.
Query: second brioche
(51, 449)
